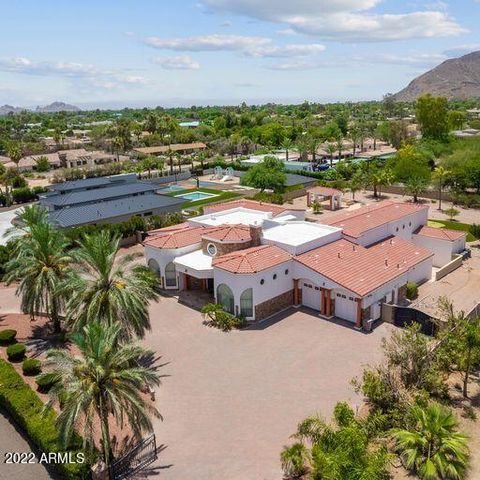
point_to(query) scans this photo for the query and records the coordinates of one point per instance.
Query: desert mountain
(456, 78)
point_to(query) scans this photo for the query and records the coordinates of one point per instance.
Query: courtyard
(232, 400)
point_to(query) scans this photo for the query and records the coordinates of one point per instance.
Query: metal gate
(140, 456)
(404, 316)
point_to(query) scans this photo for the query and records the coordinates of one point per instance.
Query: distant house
(73, 158)
(102, 200)
(183, 148)
(191, 124)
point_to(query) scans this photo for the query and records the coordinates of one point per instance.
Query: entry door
(311, 296)
(345, 307)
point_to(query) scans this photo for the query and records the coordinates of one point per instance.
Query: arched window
(154, 267)
(170, 275)
(246, 303)
(225, 298)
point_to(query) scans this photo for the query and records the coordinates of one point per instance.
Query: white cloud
(460, 50)
(344, 20)
(177, 63)
(212, 43)
(86, 73)
(286, 51)
(288, 31)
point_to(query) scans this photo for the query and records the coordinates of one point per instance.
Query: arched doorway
(246, 303)
(154, 267)
(225, 298)
(171, 275)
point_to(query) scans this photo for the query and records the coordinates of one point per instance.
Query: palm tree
(339, 146)
(41, 265)
(287, 145)
(170, 155)
(471, 346)
(295, 460)
(440, 174)
(104, 381)
(27, 218)
(354, 137)
(432, 447)
(14, 151)
(109, 289)
(331, 149)
(415, 186)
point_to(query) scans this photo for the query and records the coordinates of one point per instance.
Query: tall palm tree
(331, 149)
(28, 218)
(440, 175)
(109, 288)
(104, 381)
(287, 146)
(432, 447)
(41, 265)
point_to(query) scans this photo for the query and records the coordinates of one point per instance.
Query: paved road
(12, 441)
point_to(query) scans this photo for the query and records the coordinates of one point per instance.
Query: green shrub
(474, 229)
(16, 352)
(45, 382)
(215, 316)
(27, 410)
(7, 336)
(412, 290)
(31, 366)
(23, 195)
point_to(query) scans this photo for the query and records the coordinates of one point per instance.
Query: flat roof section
(298, 233)
(243, 216)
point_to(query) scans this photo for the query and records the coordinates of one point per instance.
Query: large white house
(257, 259)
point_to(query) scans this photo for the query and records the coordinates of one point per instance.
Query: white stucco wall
(442, 249)
(402, 228)
(164, 256)
(270, 289)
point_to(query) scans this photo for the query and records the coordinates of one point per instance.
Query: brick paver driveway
(233, 399)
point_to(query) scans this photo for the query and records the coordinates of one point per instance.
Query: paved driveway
(233, 399)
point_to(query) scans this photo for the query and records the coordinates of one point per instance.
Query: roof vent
(338, 254)
(386, 262)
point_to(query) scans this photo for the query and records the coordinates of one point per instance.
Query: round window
(211, 249)
(274, 276)
(262, 281)
(286, 271)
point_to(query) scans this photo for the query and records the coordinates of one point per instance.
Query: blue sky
(183, 52)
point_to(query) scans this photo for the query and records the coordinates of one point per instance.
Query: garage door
(345, 307)
(311, 295)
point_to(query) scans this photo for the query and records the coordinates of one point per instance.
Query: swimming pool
(195, 196)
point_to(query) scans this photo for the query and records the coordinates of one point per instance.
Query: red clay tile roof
(176, 238)
(171, 228)
(252, 260)
(251, 204)
(440, 233)
(185, 235)
(229, 233)
(356, 222)
(362, 270)
(325, 191)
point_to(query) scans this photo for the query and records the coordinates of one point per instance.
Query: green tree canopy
(432, 116)
(268, 174)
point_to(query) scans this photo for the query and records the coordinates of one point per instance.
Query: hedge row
(25, 408)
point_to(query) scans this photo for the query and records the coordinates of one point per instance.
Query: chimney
(256, 235)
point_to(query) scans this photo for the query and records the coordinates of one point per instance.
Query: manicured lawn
(220, 195)
(452, 225)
